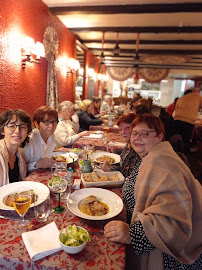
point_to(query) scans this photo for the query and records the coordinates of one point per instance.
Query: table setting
(18, 247)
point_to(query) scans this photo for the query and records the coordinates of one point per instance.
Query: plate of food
(7, 193)
(101, 156)
(101, 178)
(95, 203)
(64, 157)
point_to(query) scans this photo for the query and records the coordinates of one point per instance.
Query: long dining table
(100, 253)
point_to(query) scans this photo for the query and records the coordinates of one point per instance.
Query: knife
(13, 218)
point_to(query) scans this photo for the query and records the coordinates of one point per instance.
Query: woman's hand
(84, 133)
(106, 166)
(117, 231)
(44, 163)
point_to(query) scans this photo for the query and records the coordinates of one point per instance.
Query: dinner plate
(98, 154)
(69, 156)
(6, 190)
(111, 199)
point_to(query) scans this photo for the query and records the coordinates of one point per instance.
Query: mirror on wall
(80, 84)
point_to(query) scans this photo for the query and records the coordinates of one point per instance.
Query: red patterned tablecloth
(102, 143)
(98, 254)
(114, 129)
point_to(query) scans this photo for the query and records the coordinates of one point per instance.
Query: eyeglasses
(47, 123)
(13, 126)
(142, 134)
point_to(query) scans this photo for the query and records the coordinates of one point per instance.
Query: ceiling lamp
(102, 57)
(116, 50)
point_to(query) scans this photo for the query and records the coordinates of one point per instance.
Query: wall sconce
(73, 66)
(29, 48)
(90, 73)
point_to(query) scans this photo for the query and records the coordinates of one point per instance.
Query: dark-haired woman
(15, 125)
(39, 150)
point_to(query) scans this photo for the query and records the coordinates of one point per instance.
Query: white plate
(112, 200)
(94, 136)
(10, 188)
(98, 154)
(69, 156)
(104, 183)
(99, 132)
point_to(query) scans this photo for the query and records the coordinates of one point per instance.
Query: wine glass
(22, 202)
(59, 186)
(42, 207)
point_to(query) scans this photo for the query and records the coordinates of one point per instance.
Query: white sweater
(37, 149)
(66, 133)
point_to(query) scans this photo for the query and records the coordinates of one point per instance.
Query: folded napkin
(118, 144)
(42, 242)
(93, 136)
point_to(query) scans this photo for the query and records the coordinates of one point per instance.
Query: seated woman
(128, 158)
(107, 104)
(66, 133)
(97, 104)
(86, 119)
(163, 202)
(38, 152)
(15, 125)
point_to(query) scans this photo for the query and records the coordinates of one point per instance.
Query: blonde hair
(63, 106)
(85, 104)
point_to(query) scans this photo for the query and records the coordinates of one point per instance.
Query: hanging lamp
(102, 57)
(116, 50)
(136, 66)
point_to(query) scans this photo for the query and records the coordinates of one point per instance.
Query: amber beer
(22, 204)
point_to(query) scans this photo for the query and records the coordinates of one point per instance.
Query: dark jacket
(86, 120)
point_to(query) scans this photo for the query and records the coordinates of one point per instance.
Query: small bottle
(70, 175)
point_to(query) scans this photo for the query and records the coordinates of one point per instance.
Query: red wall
(26, 89)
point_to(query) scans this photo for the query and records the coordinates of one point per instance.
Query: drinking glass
(59, 186)
(42, 207)
(22, 202)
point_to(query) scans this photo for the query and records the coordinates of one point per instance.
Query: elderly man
(107, 104)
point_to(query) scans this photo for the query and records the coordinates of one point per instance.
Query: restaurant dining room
(101, 134)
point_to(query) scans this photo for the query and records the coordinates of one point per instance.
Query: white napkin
(118, 144)
(93, 136)
(42, 242)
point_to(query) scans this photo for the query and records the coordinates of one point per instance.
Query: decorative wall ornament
(153, 75)
(120, 73)
(165, 59)
(51, 45)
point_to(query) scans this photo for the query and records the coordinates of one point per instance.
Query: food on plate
(77, 150)
(53, 179)
(60, 158)
(9, 199)
(92, 206)
(93, 177)
(75, 236)
(109, 159)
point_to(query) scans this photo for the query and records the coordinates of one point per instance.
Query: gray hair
(65, 105)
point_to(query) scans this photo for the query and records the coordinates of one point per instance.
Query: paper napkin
(118, 144)
(42, 242)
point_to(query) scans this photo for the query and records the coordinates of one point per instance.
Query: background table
(115, 129)
(102, 144)
(98, 254)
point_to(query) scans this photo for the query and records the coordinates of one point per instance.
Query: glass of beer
(22, 202)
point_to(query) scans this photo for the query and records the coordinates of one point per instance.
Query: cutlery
(12, 218)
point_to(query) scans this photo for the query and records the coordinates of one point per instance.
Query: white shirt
(66, 133)
(37, 149)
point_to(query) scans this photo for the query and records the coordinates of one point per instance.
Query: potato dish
(93, 207)
(9, 199)
(109, 159)
(93, 177)
(60, 158)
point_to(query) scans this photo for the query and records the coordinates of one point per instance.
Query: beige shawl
(4, 178)
(169, 206)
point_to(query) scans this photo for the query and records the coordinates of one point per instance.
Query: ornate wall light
(73, 66)
(29, 48)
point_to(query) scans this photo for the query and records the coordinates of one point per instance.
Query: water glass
(42, 207)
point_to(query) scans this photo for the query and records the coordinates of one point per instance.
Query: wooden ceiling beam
(140, 29)
(127, 9)
(146, 42)
(145, 51)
